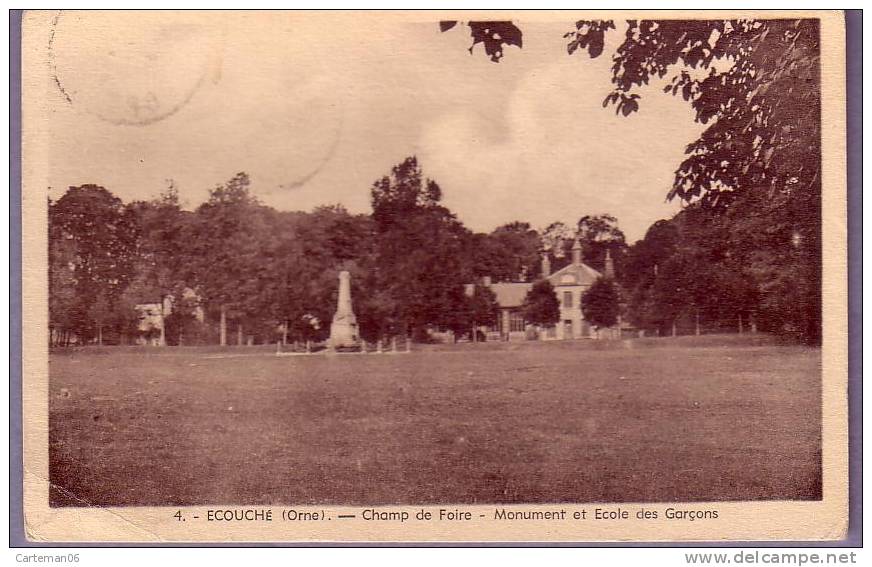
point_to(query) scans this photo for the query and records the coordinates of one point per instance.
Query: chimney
(609, 270)
(546, 265)
(576, 252)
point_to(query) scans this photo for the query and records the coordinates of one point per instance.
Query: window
(516, 322)
(567, 299)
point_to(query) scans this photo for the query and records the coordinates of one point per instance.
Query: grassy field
(689, 419)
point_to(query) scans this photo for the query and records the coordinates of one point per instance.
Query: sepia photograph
(384, 261)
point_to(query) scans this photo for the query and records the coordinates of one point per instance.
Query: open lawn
(688, 419)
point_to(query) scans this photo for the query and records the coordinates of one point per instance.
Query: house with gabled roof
(569, 282)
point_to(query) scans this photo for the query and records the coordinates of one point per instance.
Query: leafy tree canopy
(492, 35)
(600, 304)
(92, 253)
(512, 253)
(421, 246)
(541, 306)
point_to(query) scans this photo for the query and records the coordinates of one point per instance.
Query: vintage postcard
(434, 276)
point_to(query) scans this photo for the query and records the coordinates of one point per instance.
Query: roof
(582, 274)
(513, 294)
(510, 294)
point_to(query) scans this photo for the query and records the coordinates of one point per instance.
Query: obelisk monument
(343, 330)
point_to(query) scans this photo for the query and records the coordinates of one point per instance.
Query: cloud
(562, 154)
(295, 107)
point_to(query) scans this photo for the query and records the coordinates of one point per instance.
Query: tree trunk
(239, 334)
(223, 325)
(741, 328)
(674, 330)
(99, 335)
(753, 323)
(285, 333)
(697, 323)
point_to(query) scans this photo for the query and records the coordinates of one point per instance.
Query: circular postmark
(133, 68)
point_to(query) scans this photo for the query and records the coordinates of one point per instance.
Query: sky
(316, 107)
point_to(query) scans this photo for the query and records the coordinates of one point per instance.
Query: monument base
(344, 336)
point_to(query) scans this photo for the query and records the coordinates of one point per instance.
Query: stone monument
(343, 331)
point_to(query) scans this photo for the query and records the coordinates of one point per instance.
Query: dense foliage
(255, 273)
(541, 306)
(91, 262)
(600, 304)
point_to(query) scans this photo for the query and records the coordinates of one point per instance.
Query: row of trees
(255, 271)
(272, 274)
